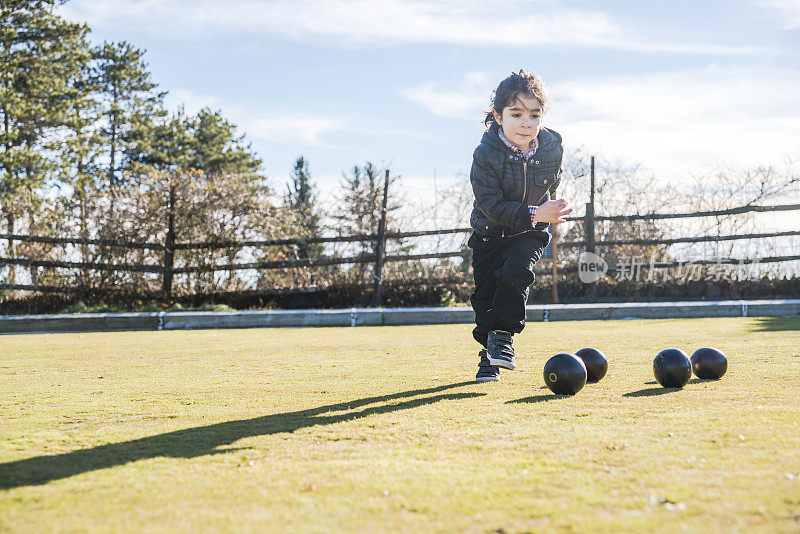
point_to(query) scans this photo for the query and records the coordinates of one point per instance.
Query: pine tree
(359, 208)
(129, 103)
(80, 149)
(40, 55)
(205, 142)
(199, 181)
(301, 200)
(216, 149)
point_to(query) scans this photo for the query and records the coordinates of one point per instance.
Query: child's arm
(489, 195)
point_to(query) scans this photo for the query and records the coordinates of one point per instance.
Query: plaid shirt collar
(515, 149)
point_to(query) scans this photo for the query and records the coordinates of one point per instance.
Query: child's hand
(552, 211)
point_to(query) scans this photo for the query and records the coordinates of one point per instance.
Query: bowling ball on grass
(672, 368)
(709, 363)
(565, 374)
(595, 362)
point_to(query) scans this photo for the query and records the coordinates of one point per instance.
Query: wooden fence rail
(673, 241)
(29, 262)
(362, 258)
(81, 241)
(712, 213)
(371, 237)
(168, 269)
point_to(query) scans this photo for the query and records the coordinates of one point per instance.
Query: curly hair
(522, 83)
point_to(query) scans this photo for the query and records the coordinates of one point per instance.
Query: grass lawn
(382, 429)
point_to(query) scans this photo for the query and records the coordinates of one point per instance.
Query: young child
(515, 171)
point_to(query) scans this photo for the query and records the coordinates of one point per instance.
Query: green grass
(381, 429)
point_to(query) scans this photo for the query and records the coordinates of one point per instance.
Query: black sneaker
(486, 371)
(500, 349)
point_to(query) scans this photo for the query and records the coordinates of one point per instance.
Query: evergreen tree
(300, 201)
(80, 147)
(129, 104)
(198, 180)
(40, 55)
(216, 149)
(205, 142)
(300, 195)
(166, 147)
(359, 208)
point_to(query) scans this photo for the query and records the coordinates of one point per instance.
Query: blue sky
(679, 87)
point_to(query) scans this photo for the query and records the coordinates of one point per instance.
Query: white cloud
(192, 102)
(259, 123)
(682, 122)
(468, 100)
(350, 23)
(462, 22)
(291, 129)
(675, 122)
(787, 11)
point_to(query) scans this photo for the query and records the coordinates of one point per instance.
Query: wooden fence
(167, 269)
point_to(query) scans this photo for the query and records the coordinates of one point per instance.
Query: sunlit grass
(382, 429)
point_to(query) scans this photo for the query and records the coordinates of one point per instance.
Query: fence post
(554, 261)
(169, 247)
(12, 274)
(589, 228)
(376, 294)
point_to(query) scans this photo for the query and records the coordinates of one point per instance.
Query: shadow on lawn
(538, 398)
(702, 380)
(650, 392)
(206, 440)
(776, 324)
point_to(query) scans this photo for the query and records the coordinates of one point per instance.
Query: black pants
(503, 271)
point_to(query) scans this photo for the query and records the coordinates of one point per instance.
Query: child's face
(521, 120)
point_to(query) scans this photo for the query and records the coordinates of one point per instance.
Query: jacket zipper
(524, 180)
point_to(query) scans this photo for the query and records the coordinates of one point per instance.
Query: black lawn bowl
(672, 368)
(565, 374)
(595, 362)
(709, 363)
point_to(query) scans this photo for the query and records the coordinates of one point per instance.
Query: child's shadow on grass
(207, 440)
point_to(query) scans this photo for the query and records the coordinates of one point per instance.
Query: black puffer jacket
(505, 186)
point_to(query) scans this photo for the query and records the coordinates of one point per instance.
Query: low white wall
(104, 322)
